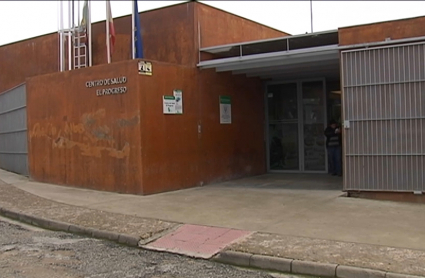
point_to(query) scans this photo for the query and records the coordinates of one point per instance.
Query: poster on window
(225, 110)
(178, 95)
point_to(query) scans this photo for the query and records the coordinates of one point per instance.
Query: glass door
(314, 149)
(283, 127)
(296, 121)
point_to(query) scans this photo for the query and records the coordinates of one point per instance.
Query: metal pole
(79, 33)
(133, 30)
(311, 14)
(73, 13)
(89, 31)
(61, 64)
(69, 37)
(108, 47)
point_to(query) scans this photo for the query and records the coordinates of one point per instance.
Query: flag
(138, 44)
(83, 23)
(110, 29)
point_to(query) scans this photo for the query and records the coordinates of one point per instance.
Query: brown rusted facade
(124, 142)
(379, 32)
(169, 34)
(80, 139)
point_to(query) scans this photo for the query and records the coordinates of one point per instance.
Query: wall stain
(94, 132)
(131, 122)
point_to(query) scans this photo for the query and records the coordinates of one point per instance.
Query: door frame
(299, 83)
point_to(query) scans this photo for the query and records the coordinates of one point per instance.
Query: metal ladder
(80, 48)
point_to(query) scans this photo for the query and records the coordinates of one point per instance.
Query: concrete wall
(378, 32)
(80, 139)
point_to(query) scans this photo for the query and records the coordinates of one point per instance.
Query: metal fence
(384, 104)
(13, 130)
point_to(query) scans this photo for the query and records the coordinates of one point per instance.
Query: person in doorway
(333, 146)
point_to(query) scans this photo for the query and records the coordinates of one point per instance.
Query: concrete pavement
(291, 218)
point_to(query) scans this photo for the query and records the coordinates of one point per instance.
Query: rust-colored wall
(124, 143)
(77, 138)
(170, 34)
(219, 27)
(170, 144)
(28, 58)
(398, 29)
(167, 34)
(238, 149)
(174, 154)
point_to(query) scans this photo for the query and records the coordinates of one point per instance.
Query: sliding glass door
(296, 120)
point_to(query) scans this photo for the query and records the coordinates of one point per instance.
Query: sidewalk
(305, 231)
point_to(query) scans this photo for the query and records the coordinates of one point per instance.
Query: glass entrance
(296, 120)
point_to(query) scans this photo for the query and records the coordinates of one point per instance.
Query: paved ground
(292, 205)
(26, 252)
(310, 223)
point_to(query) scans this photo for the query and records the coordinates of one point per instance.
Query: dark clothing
(334, 155)
(333, 146)
(332, 139)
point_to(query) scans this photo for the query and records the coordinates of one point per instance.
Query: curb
(302, 267)
(71, 228)
(228, 257)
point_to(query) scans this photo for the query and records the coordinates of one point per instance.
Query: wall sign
(178, 94)
(225, 110)
(169, 104)
(108, 82)
(144, 68)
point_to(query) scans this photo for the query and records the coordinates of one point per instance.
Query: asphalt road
(29, 252)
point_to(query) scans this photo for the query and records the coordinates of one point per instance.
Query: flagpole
(89, 31)
(61, 48)
(133, 16)
(311, 14)
(79, 31)
(69, 37)
(108, 46)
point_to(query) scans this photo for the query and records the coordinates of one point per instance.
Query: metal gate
(13, 130)
(384, 108)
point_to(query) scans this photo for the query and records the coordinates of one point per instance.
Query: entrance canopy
(292, 57)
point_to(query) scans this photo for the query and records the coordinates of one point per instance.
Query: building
(255, 100)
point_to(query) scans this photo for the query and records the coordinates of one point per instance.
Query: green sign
(225, 110)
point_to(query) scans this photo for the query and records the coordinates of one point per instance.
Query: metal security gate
(384, 113)
(13, 131)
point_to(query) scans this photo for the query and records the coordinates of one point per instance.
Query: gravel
(36, 253)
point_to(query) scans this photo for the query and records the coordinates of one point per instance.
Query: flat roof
(289, 57)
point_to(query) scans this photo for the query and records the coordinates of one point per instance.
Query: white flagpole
(311, 14)
(69, 37)
(89, 31)
(61, 62)
(108, 46)
(133, 17)
(79, 32)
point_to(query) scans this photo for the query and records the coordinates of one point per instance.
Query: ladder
(80, 48)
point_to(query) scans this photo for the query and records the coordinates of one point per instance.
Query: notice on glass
(169, 104)
(178, 95)
(225, 110)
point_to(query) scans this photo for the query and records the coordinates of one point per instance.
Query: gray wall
(384, 102)
(13, 131)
